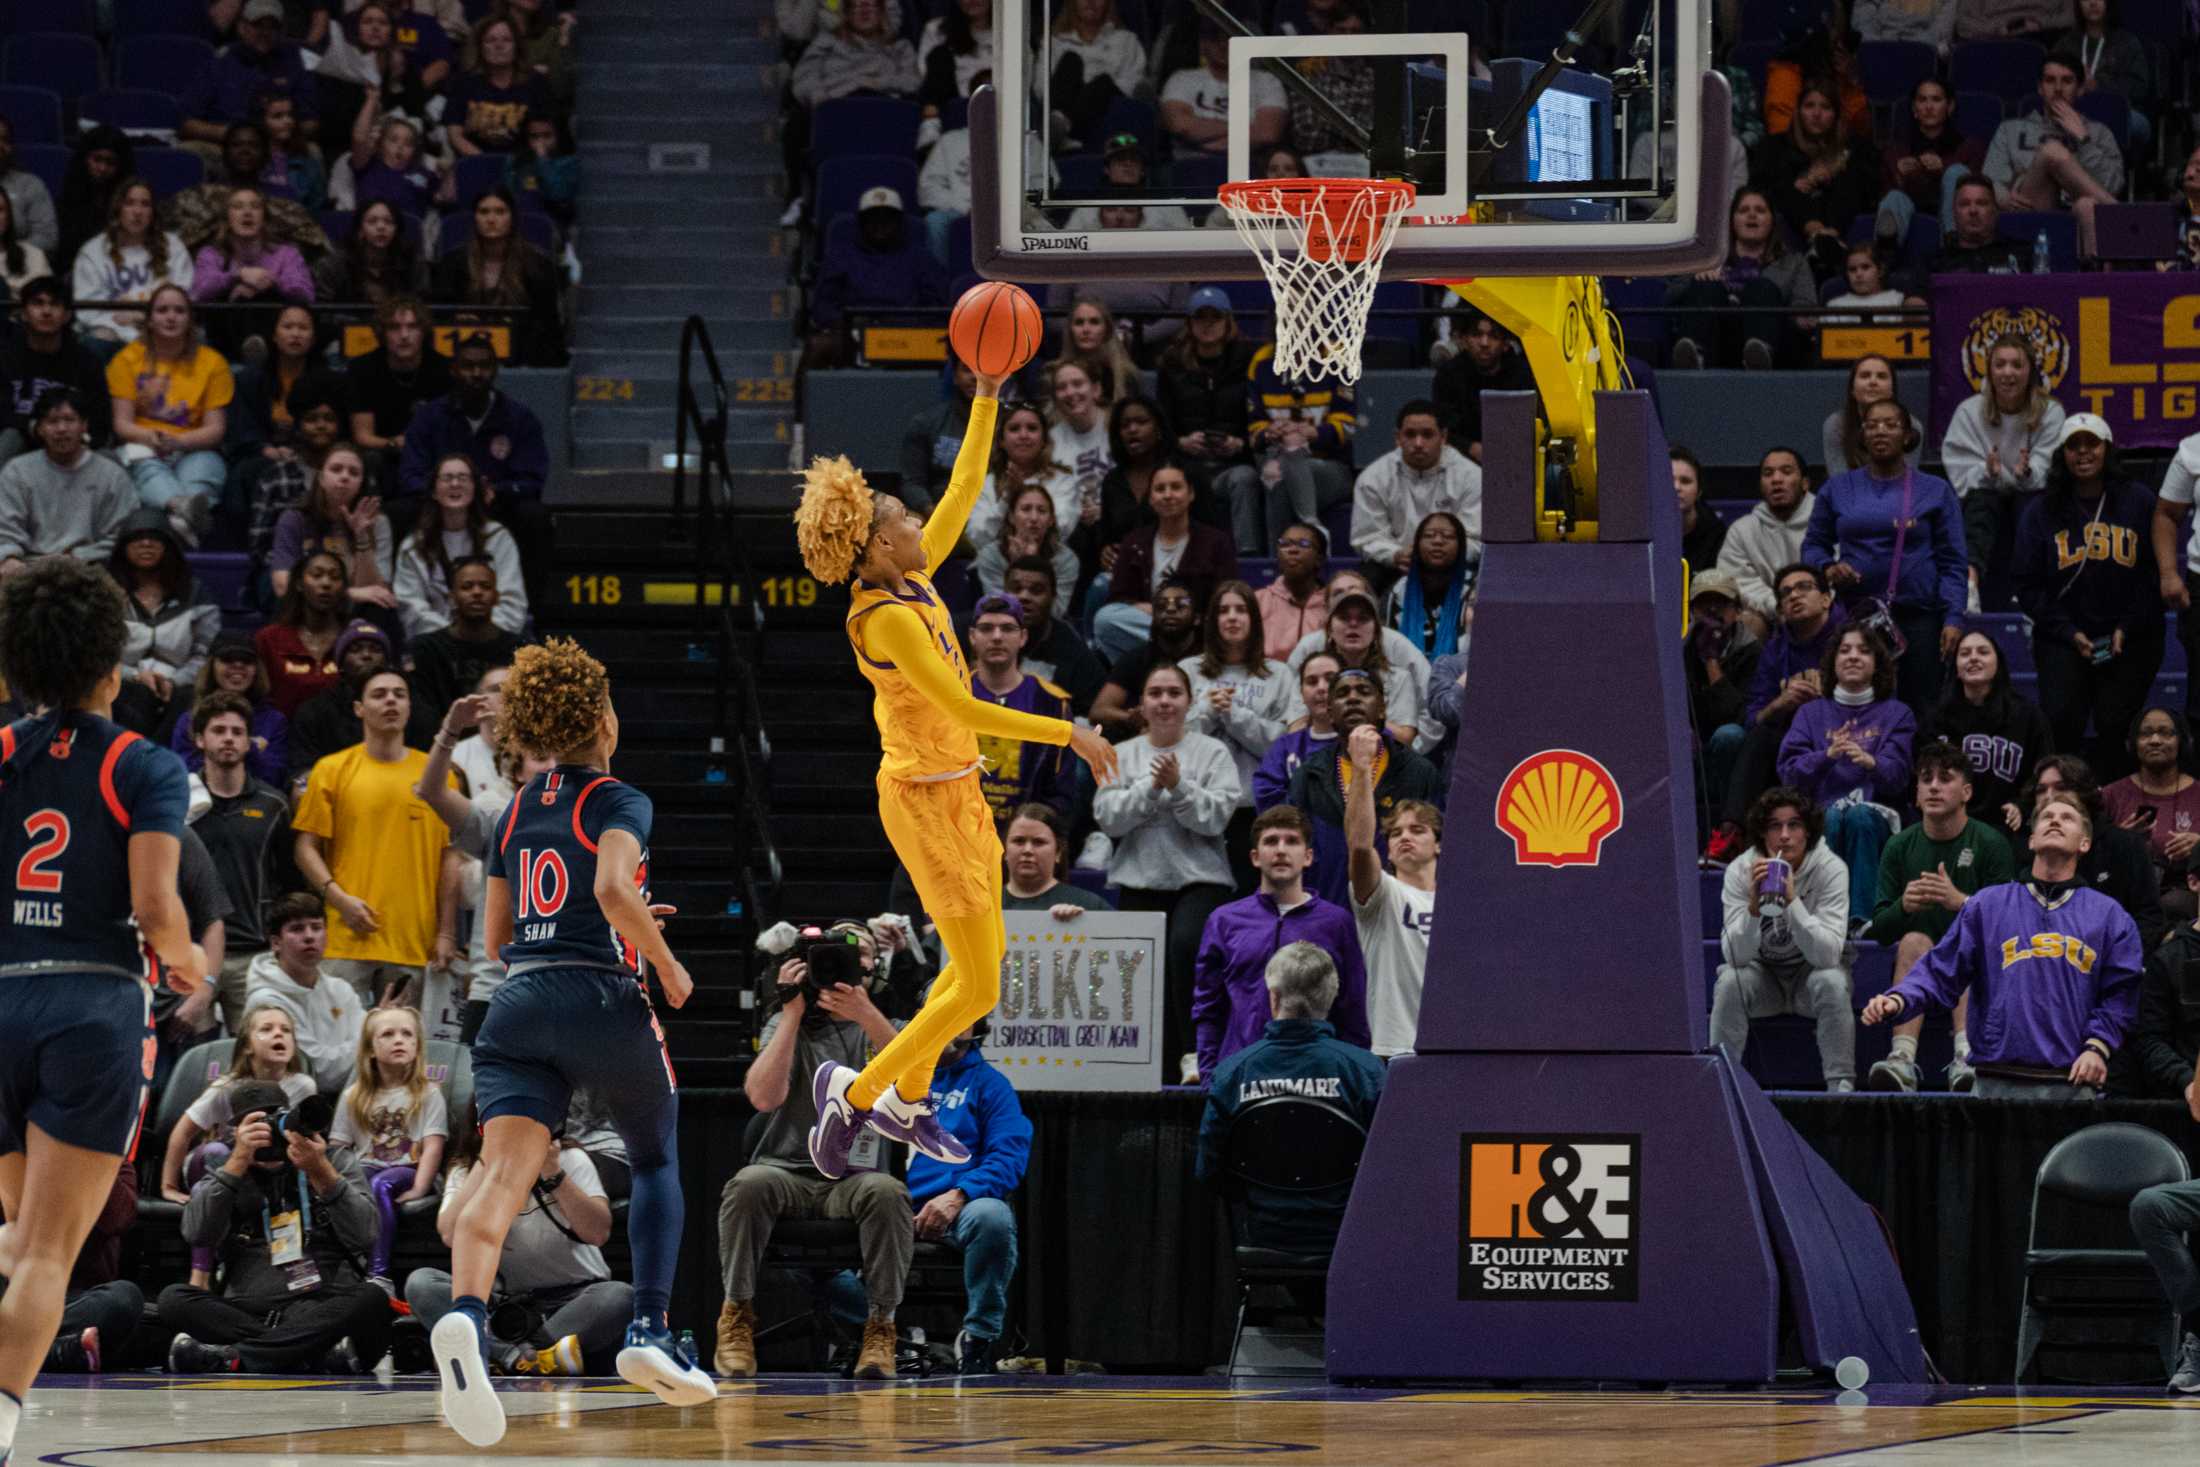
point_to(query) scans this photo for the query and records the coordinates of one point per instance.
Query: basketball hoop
(1321, 243)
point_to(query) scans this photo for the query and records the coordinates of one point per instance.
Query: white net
(1323, 295)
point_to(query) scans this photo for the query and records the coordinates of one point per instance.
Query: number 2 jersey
(73, 790)
(546, 849)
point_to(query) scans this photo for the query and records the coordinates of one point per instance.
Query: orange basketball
(994, 328)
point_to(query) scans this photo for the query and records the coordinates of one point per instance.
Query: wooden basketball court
(155, 1421)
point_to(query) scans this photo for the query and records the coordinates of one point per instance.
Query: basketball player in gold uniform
(930, 800)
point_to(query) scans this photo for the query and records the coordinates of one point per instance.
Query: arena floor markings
(156, 1421)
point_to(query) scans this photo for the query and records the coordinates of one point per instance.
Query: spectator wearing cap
(329, 720)
(1229, 1000)
(1123, 177)
(1014, 772)
(864, 53)
(1722, 665)
(1295, 605)
(1420, 476)
(2088, 577)
(2057, 158)
(64, 499)
(502, 438)
(1354, 634)
(233, 667)
(882, 264)
(1319, 787)
(1195, 102)
(260, 60)
(1487, 361)
(1202, 390)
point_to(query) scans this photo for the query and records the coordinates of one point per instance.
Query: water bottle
(2041, 264)
(687, 1345)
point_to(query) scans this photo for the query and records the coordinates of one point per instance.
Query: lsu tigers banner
(2125, 345)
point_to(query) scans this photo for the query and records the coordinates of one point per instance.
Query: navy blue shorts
(556, 1030)
(76, 1055)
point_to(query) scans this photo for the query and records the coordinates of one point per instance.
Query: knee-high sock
(655, 1215)
(974, 946)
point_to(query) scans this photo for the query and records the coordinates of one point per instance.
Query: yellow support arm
(1562, 324)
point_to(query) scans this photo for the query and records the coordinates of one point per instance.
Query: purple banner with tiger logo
(2125, 346)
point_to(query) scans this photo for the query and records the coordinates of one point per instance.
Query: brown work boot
(876, 1361)
(736, 1339)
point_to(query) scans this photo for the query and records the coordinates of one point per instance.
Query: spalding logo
(1558, 806)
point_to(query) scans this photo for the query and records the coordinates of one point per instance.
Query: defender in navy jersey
(91, 818)
(567, 907)
(546, 849)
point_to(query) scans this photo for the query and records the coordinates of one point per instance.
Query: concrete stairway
(681, 195)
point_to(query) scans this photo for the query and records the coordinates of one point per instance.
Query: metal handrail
(738, 742)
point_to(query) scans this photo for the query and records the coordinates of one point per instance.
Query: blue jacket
(1230, 991)
(1853, 520)
(1293, 1057)
(853, 278)
(509, 449)
(2043, 978)
(978, 1107)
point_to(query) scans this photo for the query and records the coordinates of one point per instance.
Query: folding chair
(1298, 1146)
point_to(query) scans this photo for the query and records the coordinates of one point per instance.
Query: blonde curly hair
(554, 701)
(834, 519)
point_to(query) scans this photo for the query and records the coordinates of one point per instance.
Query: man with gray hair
(1298, 1054)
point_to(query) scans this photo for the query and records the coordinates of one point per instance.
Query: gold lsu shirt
(916, 739)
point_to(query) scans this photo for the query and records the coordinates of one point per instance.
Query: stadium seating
(161, 63)
(68, 65)
(139, 113)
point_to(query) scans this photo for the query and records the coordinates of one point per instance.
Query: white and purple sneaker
(839, 1122)
(913, 1122)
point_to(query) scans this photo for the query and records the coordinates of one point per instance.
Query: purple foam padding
(1707, 1289)
(1840, 1278)
(1603, 957)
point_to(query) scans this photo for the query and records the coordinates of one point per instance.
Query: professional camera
(834, 957)
(311, 1116)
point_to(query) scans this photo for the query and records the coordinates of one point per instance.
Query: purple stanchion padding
(1706, 1293)
(1561, 1184)
(1602, 952)
(1844, 1284)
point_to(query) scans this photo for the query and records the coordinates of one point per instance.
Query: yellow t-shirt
(383, 845)
(188, 389)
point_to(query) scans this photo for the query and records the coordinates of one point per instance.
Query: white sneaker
(470, 1403)
(652, 1360)
(2186, 1380)
(1098, 848)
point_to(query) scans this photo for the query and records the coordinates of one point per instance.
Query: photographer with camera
(557, 1308)
(290, 1230)
(825, 1015)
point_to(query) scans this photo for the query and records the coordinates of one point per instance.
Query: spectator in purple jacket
(502, 438)
(233, 666)
(1850, 752)
(260, 60)
(1229, 991)
(881, 264)
(2051, 964)
(243, 266)
(1787, 677)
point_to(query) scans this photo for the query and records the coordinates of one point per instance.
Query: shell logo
(1558, 806)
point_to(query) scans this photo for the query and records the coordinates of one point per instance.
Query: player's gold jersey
(916, 739)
